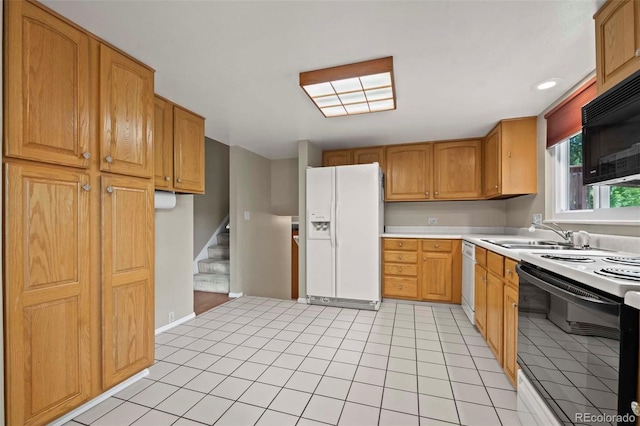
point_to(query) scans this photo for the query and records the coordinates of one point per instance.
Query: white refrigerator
(345, 220)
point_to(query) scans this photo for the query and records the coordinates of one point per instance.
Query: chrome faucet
(567, 236)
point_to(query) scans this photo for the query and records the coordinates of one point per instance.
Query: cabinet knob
(400, 257)
(513, 305)
(509, 272)
(108, 159)
(436, 192)
(399, 244)
(437, 246)
(400, 287)
(424, 259)
(179, 180)
(167, 178)
(496, 187)
(86, 187)
(399, 269)
(86, 155)
(638, 53)
(426, 193)
(110, 189)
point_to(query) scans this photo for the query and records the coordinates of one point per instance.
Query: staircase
(213, 273)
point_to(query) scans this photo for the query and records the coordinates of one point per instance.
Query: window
(574, 201)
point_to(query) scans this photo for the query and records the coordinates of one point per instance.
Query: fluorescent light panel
(352, 89)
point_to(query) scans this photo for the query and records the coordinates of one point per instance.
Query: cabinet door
(617, 42)
(457, 170)
(126, 115)
(342, 157)
(127, 270)
(163, 143)
(492, 164)
(435, 275)
(510, 332)
(47, 292)
(408, 172)
(495, 315)
(480, 300)
(47, 95)
(369, 155)
(188, 151)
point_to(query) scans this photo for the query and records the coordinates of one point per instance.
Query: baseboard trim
(98, 399)
(236, 295)
(302, 300)
(176, 323)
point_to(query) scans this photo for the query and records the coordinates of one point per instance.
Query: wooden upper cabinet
(128, 277)
(369, 155)
(126, 115)
(163, 143)
(341, 157)
(457, 170)
(408, 176)
(47, 292)
(188, 149)
(510, 158)
(47, 103)
(617, 42)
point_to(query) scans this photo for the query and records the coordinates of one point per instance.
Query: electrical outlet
(172, 316)
(537, 218)
(433, 221)
(247, 215)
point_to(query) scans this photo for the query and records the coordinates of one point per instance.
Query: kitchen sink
(533, 245)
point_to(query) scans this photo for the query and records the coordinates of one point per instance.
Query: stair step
(218, 252)
(214, 283)
(223, 239)
(214, 266)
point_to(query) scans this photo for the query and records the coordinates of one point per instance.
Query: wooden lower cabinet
(436, 278)
(47, 292)
(495, 315)
(480, 302)
(128, 270)
(509, 355)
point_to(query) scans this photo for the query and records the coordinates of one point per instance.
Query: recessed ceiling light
(352, 89)
(546, 84)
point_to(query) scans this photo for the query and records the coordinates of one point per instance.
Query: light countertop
(632, 298)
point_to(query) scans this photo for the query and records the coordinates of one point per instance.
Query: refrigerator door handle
(337, 235)
(332, 219)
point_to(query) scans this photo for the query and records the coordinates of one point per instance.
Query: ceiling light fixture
(546, 84)
(352, 89)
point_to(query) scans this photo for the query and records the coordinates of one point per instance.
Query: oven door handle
(584, 301)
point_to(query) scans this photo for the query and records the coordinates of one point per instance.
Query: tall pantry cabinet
(78, 215)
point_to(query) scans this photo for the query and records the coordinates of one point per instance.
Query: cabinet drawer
(495, 263)
(510, 271)
(391, 269)
(400, 257)
(400, 244)
(481, 256)
(404, 287)
(436, 245)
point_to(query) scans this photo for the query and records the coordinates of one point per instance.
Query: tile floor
(275, 362)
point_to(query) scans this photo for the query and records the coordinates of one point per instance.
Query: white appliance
(345, 219)
(468, 287)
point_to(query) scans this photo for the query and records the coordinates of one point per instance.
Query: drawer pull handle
(399, 244)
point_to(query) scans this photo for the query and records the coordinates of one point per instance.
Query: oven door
(571, 347)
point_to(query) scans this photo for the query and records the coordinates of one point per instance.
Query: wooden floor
(204, 300)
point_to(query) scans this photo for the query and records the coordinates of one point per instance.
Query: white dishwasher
(468, 266)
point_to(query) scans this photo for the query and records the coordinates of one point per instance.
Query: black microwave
(611, 136)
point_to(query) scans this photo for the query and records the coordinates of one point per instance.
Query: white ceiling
(460, 66)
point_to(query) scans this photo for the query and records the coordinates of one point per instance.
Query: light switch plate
(537, 218)
(433, 221)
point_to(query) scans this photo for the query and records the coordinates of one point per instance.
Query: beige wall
(284, 187)
(448, 213)
(260, 246)
(174, 260)
(210, 209)
(308, 155)
(520, 209)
